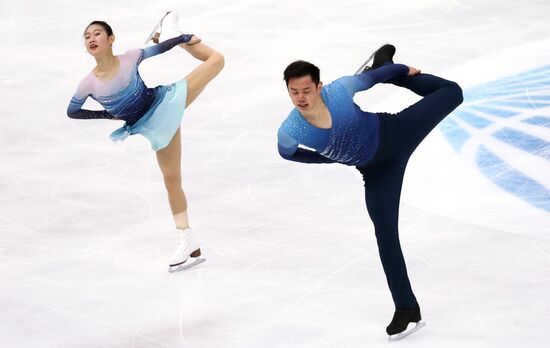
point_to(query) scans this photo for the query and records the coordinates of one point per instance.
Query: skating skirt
(161, 122)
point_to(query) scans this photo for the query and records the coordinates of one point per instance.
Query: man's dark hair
(104, 25)
(302, 68)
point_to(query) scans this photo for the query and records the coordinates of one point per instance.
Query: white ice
(85, 227)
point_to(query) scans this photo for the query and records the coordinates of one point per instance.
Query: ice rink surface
(85, 227)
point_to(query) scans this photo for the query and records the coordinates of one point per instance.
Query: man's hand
(413, 71)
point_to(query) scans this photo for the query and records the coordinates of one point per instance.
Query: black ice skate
(381, 56)
(399, 326)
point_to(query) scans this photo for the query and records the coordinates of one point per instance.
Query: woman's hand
(156, 38)
(413, 71)
(194, 40)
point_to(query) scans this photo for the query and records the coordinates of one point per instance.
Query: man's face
(304, 93)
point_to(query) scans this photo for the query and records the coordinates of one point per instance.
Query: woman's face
(97, 40)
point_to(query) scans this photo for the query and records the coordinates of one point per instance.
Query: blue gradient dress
(155, 113)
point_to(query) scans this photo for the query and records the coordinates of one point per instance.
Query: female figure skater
(379, 145)
(155, 113)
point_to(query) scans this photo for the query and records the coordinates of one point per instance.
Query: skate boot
(168, 28)
(155, 34)
(383, 55)
(398, 327)
(187, 253)
(380, 57)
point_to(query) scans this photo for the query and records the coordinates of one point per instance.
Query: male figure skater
(379, 145)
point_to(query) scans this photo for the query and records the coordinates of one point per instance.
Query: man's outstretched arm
(289, 150)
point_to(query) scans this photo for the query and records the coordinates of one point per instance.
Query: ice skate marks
(417, 326)
(505, 120)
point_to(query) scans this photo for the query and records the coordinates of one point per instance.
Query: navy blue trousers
(400, 134)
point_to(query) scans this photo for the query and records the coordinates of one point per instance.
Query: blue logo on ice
(505, 125)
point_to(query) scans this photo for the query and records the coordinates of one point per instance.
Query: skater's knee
(389, 247)
(172, 182)
(455, 91)
(386, 232)
(387, 235)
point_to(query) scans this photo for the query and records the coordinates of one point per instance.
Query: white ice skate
(187, 254)
(157, 29)
(411, 328)
(167, 28)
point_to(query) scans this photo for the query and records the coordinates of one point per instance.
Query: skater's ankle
(183, 231)
(181, 220)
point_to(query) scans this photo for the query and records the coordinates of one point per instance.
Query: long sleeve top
(354, 136)
(125, 96)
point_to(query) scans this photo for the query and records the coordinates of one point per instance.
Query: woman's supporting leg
(169, 160)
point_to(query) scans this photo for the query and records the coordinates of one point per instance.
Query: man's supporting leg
(382, 194)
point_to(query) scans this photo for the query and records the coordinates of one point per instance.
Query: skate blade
(366, 63)
(158, 27)
(407, 332)
(186, 265)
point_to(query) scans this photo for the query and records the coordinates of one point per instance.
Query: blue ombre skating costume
(379, 145)
(155, 113)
